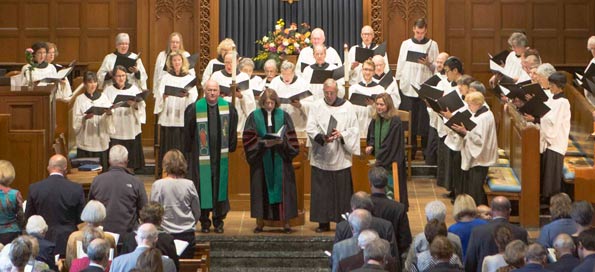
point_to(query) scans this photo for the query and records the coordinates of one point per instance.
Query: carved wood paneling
(409, 9)
(376, 21)
(205, 33)
(173, 8)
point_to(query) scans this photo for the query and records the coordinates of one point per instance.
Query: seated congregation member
(246, 66)
(482, 243)
(433, 210)
(64, 90)
(375, 256)
(330, 155)
(359, 220)
(380, 71)
(367, 35)
(384, 228)
(320, 63)
(225, 46)
(288, 84)
(560, 207)
(386, 141)
(34, 265)
(37, 228)
(465, 215)
(153, 213)
(514, 255)
(513, 67)
(367, 86)
(149, 261)
(271, 72)
(591, 48)
(122, 194)
(136, 73)
(480, 147)
(211, 127)
(174, 43)
(92, 130)
(19, 253)
(60, 208)
(93, 215)
(535, 259)
(244, 99)
(356, 261)
(273, 192)
(388, 209)
(88, 235)
(502, 236)
(146, 237)
(425, 261)
(127, 118)
(442, 252)
(179, 199)
(11, 205)
(98, 253)
(582, 215)
(308, 55)
(170, 108)
(564, 249)
(554, 129)
(586, 251)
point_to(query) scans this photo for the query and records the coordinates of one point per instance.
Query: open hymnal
(122, 99)
(126, 61)
(497, 69)
(414, 56)
(451, 102)
(319, 76)
(179, 91)
(362, 54)
(299, 96)
(500, 58)
(277, 135)
(242, 86)
(96, 110)
(62, 74)
(463, 118)
(535, 108)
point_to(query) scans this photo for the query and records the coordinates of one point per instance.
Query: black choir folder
(319, 76)
(217, 67)
(459, 118)
(360, 99)
(500, 58)
(363, 54)
(242, 86)
(428, 91)
(303, 66)
(433, 81)
(451, 102)
(414, 56)
(299, 96)
(511, 91)
(126, 61)
(535, 108)
(587, 81)
(179, 91)
(62, 74)
(332, 125)
(96, 110)
(535, 90)
(277, 135)
(387, 79)
(122, 99)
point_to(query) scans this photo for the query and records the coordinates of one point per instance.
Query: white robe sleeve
(351, 134)
(103, 70)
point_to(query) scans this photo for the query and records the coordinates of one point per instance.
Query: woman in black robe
(273, 192)
(386, 141)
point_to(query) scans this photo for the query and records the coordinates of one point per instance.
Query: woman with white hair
(541, 75)
(287, 85)
(11, 205)
(513, 66)
(225, 46)
(93, 215)
(270, 72)
(136, 72)
(37, 228)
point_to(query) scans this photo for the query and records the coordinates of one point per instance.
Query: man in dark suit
(384, 228)
(359, 220)
(37, 228)
(586, 251)
(566, 261)
(59, 201)
(98, 252)
(389, 209)
(482, 243)
(375, 255)
(535, 257)
(356, 261)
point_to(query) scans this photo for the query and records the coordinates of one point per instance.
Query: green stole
(381, 128)
(272, 175)
(204, 166)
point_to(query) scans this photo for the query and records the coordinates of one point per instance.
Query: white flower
(272, 45)
(265, 39)
(277, 27)
(307, 40)
(296, 45)
(285, 43)
(297, 35)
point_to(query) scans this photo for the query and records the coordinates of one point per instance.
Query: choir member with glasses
(43, 70)
(174, 43)
(518, 43)
(225, 46)
(128, 117)
(273, 192)
(307, 55)
(287, 85)
(380, 71)
(92, 129)
(321, 63)
(136, 74)
(367, 86)
(270, 71)
(64, 90)
(367, 35)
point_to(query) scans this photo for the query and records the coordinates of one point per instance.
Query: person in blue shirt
(560, 207)
(465, 213)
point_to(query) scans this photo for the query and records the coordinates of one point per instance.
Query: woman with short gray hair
(513, 67)
(270, 72)
(122, 53)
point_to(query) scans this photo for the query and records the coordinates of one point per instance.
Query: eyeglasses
(368, 69)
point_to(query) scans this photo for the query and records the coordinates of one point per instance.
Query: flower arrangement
(32, 65)
(284, 41)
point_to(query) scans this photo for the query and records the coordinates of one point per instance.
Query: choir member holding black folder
(386, 79)
(307, 57)
(320, 71)
(364, 51)
(92, 122)
(123, 57)
(64, 90)
(289, 85)
(174, 43)
(554, 129)
(414, 66)
(176, 90)
(512, 65)
(587, 80)
(128, 114)
(225, 46)
(363, 95)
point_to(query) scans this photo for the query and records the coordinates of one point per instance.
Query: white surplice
(127, 120)
(299, 116)
(171, 109)
(92, 134)
(108, 65)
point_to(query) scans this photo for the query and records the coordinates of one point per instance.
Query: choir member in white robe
(270, 72)
(541, 75)
(554, 129)
(175, 43)
(367, 35)
(480, 147)
(225, 46)
(244, 102)
(513, 66)
(64, 91)
(367, 87)
(170, 108)
(320, 64)
(92, 131)
(435, 148)
(416, 73)
(287, 85)
(591, 47)
(137, 74)
(307, 58)
(529, 60)
(41, 68)
(380, 71)
(127, 118)
(246, 66)
(330, 156)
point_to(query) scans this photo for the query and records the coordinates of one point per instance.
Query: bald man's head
(317, 36)
(439, 62)
(500, 207)
(57, 164)
(146, 234)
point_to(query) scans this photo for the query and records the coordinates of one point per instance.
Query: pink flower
(30, 50)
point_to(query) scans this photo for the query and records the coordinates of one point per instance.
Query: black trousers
(205, 222)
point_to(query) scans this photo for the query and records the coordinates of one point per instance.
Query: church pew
(201, 261)
(520, 140)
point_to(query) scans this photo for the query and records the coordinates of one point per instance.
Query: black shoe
(219, 230)
(205, 230)
(323, 228)
(256, 230)
(287, 230)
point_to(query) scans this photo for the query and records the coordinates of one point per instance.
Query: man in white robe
(367, 35)
(331, 155)
(320, 64)
(306, 56)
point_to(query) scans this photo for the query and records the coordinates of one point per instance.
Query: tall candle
(346, 64)
(234, 65)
